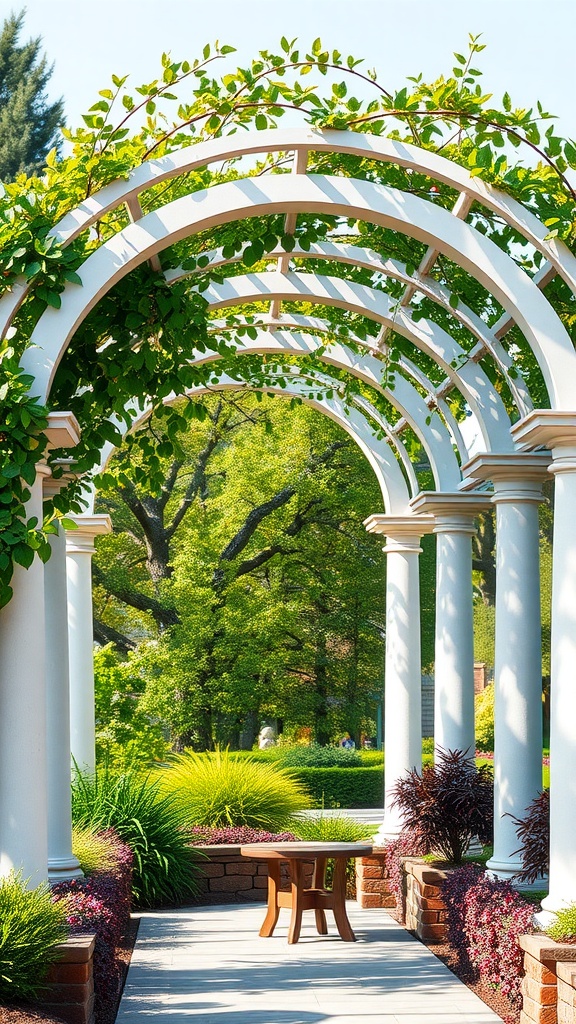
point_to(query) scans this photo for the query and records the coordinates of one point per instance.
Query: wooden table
(297, 898)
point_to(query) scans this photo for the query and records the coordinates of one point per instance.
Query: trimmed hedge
(343, 787)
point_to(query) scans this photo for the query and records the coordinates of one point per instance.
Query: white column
(518, 649)
(79, 551)
(403, 669)
(23, 786)
(558, 430)
(454, 639)
(62, 864)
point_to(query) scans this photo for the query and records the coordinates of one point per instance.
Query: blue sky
(530, 43)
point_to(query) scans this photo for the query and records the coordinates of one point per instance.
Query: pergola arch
(379, 455)
(234, 201)
(506, 461)
(410, 371)
(367, 259)
(433, 435)
(469, 378)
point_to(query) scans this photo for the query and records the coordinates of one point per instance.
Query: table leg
(297, 891)
(339, 900)
(273, 908)
(318, 881)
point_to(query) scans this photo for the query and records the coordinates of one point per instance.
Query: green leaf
(23, 555)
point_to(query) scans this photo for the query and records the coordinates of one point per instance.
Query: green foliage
(370, 758)
(339, 828)
(563, 929)
(149, 822)
(103, 371)
(274, 591)
(28, 123)
(484, 625)
(30, 926)
(217, 790)
(344, 787)
(125, 736)
(484, 718)
(315, 756)
(94, 850)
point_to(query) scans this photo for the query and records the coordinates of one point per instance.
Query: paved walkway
(208, 965)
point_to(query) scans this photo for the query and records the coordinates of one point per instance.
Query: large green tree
(265, 593)
(28, 122)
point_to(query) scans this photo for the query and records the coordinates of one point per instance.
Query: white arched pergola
(514, 457)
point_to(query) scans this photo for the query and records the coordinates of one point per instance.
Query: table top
(305, 851)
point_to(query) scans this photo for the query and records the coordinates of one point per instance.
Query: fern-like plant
(30, 926)
(217, 790)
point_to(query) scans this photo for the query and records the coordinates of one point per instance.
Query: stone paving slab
(208, 965)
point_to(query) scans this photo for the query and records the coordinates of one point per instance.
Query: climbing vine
(134, 348)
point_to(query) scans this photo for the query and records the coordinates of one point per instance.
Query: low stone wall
(69, 990)
(425, 908)
(372, 881)
(227, 877)
(566, 1008)
(548, 986)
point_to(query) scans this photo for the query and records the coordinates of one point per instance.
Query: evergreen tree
(28, 123)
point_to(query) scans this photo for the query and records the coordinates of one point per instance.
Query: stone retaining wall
(372, 881)
(227, 877)
(566, 1007)
(425, 908)
(69, 990)
(549, 983)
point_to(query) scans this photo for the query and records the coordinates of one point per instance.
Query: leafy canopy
(136, 344)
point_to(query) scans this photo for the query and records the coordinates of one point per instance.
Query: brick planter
(566, 1006)
(372, 881)
(227, 877)
(69, 990)
(548, 986)
(425, 908)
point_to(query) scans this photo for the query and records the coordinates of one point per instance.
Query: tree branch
(107, 635)
(161, 614)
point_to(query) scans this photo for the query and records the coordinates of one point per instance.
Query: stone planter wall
(548, 986)
(69, 990)
(227, 877)
(372, 881)
(566, 1008)
(425, 908)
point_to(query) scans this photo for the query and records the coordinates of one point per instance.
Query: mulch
(15, 1014)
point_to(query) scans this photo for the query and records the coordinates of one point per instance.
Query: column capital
(88, 527)
(454, 511)
(509, 467)
(517, 476)
(63, 430)
(403, 533)
(550, 427)
(405, 526)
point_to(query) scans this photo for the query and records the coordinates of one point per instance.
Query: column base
(385, 834)
(504, 869)
(538, 886)
(63, 869)
(551, 904)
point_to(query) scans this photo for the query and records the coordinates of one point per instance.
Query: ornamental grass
(150, 822)
(30, 927)
(216, 790)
